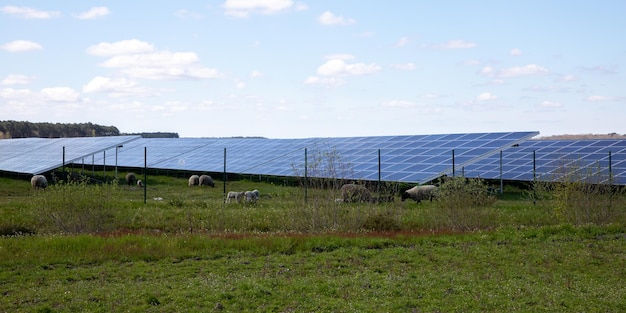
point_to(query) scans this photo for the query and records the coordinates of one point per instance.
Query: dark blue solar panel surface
(556, 158)
(39, 155)
(417, 158)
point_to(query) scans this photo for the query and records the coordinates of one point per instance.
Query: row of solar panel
(402, 158)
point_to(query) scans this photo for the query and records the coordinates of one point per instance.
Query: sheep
(131, 178)
(419, 193)
(39, 182)
(355, 193)
(139, 183)
(206, 180)
(235, 195)
(194, 180)
(252, 196)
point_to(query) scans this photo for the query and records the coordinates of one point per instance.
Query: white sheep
(419, 193)
(139, 183)
(194, 180)
(206, 180)
(355, 193)
(39, 182)
(236, 195)
(252, 196)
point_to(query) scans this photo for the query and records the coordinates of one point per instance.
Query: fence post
(224, 176)
(534, 178)
(306, 182)
(501, 178)
(379, 174)
(145, 179)
(452, 162)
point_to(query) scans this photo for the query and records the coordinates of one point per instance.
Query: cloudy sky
(296, 69)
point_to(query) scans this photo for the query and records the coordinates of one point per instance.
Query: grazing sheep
(39, 182)
(419, 193)
(206, 180)
(194, 180)
(355, 193)
(252, 196)
(131, 178)
(139, 183)
(235, 195)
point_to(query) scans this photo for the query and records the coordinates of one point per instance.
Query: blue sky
(296, 69)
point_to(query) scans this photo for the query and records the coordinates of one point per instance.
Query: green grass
(559, 268)
(188, 251)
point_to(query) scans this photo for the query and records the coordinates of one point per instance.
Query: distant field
(101, 249)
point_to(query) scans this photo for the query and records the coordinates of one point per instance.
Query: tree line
(22, 129)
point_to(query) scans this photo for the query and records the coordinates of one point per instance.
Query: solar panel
(406, 158)
(39, 155)
(556, 159)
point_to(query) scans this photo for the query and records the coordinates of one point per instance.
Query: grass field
(101, 249)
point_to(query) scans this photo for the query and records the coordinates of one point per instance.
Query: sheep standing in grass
(235, 195)
(139, 183)
(194, 180)
(419, 193)
(355, 193)
(39, 182)
(206, 180)
(131, 178)
(252, 196)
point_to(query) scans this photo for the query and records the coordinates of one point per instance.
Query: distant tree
(23, 129)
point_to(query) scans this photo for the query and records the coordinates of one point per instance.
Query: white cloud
(60, 94)
(551, 104)
(568, 78)
(405, 67)
(517, 71)
(29, 13)
(21, 46)
(93, 13)
(402, 42)
(244, 8)
(10, 93)
(515, 52)
(115, 87)
(15, 79)
(131, 46)
(158, 65)
(341, 68)
(600, 98)
(328, 18)
(486, 96)
(256, 74)
(457, 44)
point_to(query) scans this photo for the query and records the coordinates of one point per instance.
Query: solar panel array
(417, 158)
(555, 160)
(39, 155)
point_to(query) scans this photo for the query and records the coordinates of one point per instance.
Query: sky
(301, 69)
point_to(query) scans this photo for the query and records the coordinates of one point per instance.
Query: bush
(464, 203)
(77, 207)
(585, 200)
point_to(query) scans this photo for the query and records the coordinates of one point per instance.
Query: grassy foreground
(102, 249)
(556, 268)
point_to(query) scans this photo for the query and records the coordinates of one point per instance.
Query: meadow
(100, 248)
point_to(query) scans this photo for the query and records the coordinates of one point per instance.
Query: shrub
(77, 207)
(463, 203)
(584, 195)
